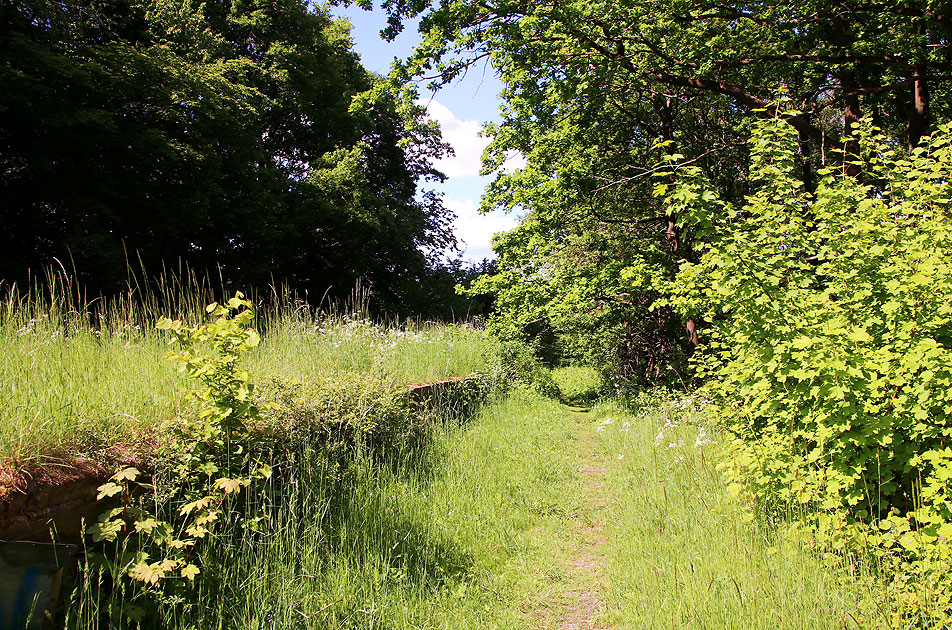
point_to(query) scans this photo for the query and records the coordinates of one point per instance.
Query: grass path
(532, 516)
(683, 552)
(578, 604)
(655, 540)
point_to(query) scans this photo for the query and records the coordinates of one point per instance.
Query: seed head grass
(79, 378)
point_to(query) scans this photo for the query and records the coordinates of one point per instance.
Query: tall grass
(82, 377)
(77, 377)
(684, 552)
(450, 533)
(298, 343)
(469, 528)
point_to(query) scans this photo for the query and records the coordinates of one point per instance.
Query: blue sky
(461, 109)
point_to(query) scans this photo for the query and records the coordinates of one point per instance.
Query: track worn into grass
(530, 516)
(652, 538)
(573, 599)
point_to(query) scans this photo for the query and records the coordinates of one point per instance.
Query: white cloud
(475, 230)
(463, 136)
(514, 161)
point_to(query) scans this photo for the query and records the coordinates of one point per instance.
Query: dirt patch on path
(574, 601)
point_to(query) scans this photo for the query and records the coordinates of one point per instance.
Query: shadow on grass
(343, 522)
(346, 530)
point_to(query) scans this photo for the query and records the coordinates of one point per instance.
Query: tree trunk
(919, 115)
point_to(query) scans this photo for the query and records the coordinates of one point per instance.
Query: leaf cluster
(207, 458)
(830, 325)
(596, 93)
(217, 134)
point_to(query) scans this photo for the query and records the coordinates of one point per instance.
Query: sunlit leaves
(109, 489)
(189, 572)
(228, 486)
(831, 340)
(127, 474)
(106, 530)
(205, 452)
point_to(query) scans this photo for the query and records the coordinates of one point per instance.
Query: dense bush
(518, 363)
(828, 352)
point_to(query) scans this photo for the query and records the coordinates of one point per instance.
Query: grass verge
(453, 532)
(88, 380)
(682, 552)
(510, 521)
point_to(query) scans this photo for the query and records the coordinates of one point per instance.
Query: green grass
(579, 385)
(684, 553)
(479, 526)
(295, 347)
(455, 533)
(79, 379)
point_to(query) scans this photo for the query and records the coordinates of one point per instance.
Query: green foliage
(581, 294)
(591, 87)
(168, 543)
(80, 377)
(683, 551)
(207, 458)
(220, 134)
(354, 408)
(225, 398)
(579, 385)
(445, 532)
(517, 362)
(830, 325)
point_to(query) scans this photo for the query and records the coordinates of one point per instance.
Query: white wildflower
(702, 438)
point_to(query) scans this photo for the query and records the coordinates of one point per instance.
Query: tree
(598, 93)
(219, 133)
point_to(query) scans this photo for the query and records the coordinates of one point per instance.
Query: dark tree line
(217, 133)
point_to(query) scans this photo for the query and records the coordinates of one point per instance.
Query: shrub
(828, 351)
(518, 362)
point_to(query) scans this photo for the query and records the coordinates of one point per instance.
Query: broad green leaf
(189, 571)
(127, 474)
(108, 490)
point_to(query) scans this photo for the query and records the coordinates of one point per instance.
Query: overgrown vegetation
(220, 134)
(598, 93)
(208, 459)
(683, 550)
(437, 531)
(705, 207)
(831, 320)
(224, 468)
(579, 385)
(88, 379)
(350, 505)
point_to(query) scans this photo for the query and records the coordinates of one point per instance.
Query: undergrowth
(828, 327)
(86, 379)
(434, 532)
(684, 551)
(579, 385)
